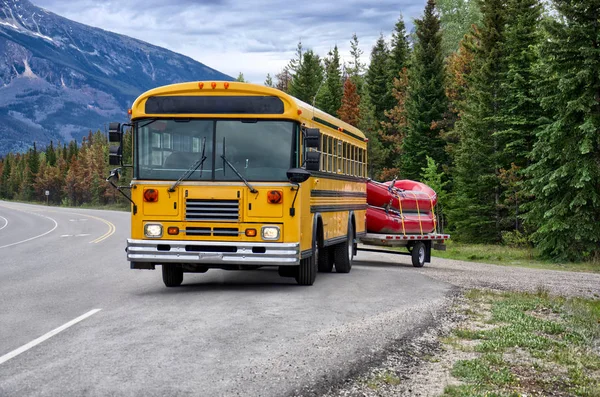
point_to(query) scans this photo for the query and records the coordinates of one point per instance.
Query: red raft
(380, 220)
(400, 207)
(404, 195)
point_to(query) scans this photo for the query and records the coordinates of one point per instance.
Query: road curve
(222, 333)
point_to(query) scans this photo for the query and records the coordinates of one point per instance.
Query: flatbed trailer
(419, 246)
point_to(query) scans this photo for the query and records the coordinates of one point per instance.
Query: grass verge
(527, 344)
(508, 256)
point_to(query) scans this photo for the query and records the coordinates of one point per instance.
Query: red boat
(403, 195)
(380, 220)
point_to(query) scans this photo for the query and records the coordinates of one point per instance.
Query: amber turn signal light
(250, 232)
(150, 195)
(275, 197)
(173, 230)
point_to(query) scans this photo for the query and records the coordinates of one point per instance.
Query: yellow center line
(111, 227)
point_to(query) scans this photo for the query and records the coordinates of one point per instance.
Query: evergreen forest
(493, 103)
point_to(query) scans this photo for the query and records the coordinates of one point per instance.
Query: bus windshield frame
(262, 150)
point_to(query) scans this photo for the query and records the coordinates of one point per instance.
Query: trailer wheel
(326, 259)
(343, 253)
(418, 254)
(172, 275)
(307, 271)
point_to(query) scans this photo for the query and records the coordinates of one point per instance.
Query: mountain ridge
(59, 79)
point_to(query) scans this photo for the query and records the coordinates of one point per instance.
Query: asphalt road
(222, 333)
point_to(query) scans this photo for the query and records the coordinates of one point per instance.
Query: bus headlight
(153, 230)
(270, 232)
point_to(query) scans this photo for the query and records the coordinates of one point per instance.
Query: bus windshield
(260, 150)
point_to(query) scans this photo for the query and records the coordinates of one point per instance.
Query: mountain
(59, 78)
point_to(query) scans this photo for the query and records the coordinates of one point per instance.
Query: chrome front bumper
(212, 252)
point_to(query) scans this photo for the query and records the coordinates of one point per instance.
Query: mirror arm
(292, 209)
(113, 174)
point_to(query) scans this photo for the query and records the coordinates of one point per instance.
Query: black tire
(344, 252)
(326, 260)
(418, 254)
(307, 271)
(172, 275)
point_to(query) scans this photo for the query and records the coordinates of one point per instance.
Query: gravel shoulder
(420, 365)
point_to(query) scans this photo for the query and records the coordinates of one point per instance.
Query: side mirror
(115, 155)
(114, 173)
(114, 132)
(313, 161)
(312, 138)
(298, 175)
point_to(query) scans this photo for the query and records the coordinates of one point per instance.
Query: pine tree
(399, 56)
(349, 110)
(240, 78)
(393, 129)
(519, 106)
(377, 78)
(4, 178)
(355, 67)
(475, 214)
(269, 81)
(51, 154)
(284, 79)
(308, 78)
(565, 175)
(426, 103)
(333, 90)
(295, 63)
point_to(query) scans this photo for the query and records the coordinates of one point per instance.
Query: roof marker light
(213, 85)
(226, 85)
(129, 111)
(201, 85)
(299, 112)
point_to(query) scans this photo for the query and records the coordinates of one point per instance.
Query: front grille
(212, 210)
(207, 231)
(225, 231)
(197, 231)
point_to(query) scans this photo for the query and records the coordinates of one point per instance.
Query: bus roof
(294, 105)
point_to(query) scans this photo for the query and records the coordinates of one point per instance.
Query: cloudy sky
(250, 36)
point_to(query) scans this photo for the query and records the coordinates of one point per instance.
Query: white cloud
(254, 37)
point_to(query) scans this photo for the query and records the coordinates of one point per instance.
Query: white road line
(5, 222)
(33, 238)
(47, 336)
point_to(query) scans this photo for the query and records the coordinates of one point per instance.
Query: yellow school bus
(238, 176)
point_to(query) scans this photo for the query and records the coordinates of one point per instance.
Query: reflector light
(340, 129)
(275, 197)
(150, 195)
(299, 112)
(213, 85)
(173, 230)
(250, 232)
(201, 85)
(226, 85)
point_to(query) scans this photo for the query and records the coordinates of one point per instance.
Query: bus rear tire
(418, 254)
(172, 275)
(343, 253)
(326, 260)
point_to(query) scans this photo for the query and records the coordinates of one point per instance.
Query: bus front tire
(172, 275)
(307, 271)
(343, 253)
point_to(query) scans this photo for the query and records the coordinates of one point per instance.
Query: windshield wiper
(252, 190)
(194, 167)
